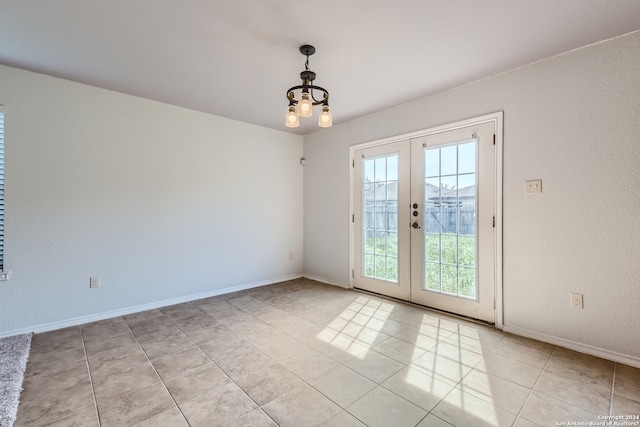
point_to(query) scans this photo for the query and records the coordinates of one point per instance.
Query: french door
(424, 220)
(382, 194)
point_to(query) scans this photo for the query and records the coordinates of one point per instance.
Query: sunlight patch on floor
(355, 330)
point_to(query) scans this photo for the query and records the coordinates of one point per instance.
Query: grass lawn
(449, 261)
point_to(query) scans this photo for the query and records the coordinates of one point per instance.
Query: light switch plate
(533, 186)
(94, 282)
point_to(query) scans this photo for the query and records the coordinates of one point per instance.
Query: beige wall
(161, 202)
(572, 121)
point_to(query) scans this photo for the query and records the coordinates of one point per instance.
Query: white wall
(572, 121)
(161, 202)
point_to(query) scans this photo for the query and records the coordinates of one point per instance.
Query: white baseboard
(326, 281)
(561, 342)
(150, 306)
(573, 345)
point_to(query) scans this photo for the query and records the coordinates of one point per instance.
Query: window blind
(1, 191)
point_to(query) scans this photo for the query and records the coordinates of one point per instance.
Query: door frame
(497, 120)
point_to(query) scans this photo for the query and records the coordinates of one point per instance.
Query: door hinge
(353, 163)
(353, 274)
(494, 139)
(353, 218)
(494, 303)
(494, 222)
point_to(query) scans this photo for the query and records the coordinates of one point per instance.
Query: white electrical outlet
(94, 282)
(576, 300)
(290, 255)
(533, 186)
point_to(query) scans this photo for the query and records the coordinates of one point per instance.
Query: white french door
(424, 220)
(383, 193)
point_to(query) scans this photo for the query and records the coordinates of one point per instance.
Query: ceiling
(237, 58)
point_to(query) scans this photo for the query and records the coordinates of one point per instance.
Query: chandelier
(303, 106)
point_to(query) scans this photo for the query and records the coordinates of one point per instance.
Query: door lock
(415, 225)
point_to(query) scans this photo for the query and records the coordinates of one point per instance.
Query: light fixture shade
(310, 96)
(292, 120)
(305, 106)
(325, 121)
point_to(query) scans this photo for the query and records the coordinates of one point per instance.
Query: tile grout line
(214, 362)
(157, 374)
(457, 383)
(380, 384)
(406, 365)
(555, 348)
(308, 383)
(311, 347)
(340, 363)
(429, 373)
(93, 390)
(255, 339)
(293, 373)
(613, 387)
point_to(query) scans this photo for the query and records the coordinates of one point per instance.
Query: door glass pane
(450, 205)
(467, 250)
(467, 282)
(432, 247)
(432, 276)
(380, 218)
(467, 158)
(380, 167)
(448, 160)
(431, 163)
(392, 244)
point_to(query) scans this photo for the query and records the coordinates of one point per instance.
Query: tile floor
(300, 353)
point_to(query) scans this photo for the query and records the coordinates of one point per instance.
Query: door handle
(415, 225)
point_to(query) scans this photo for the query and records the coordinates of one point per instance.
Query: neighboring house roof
(460, 193)
(388, 190)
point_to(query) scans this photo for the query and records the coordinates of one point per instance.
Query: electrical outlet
(94, 282)
(576, 301)
(290, 255)
(533, 186)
